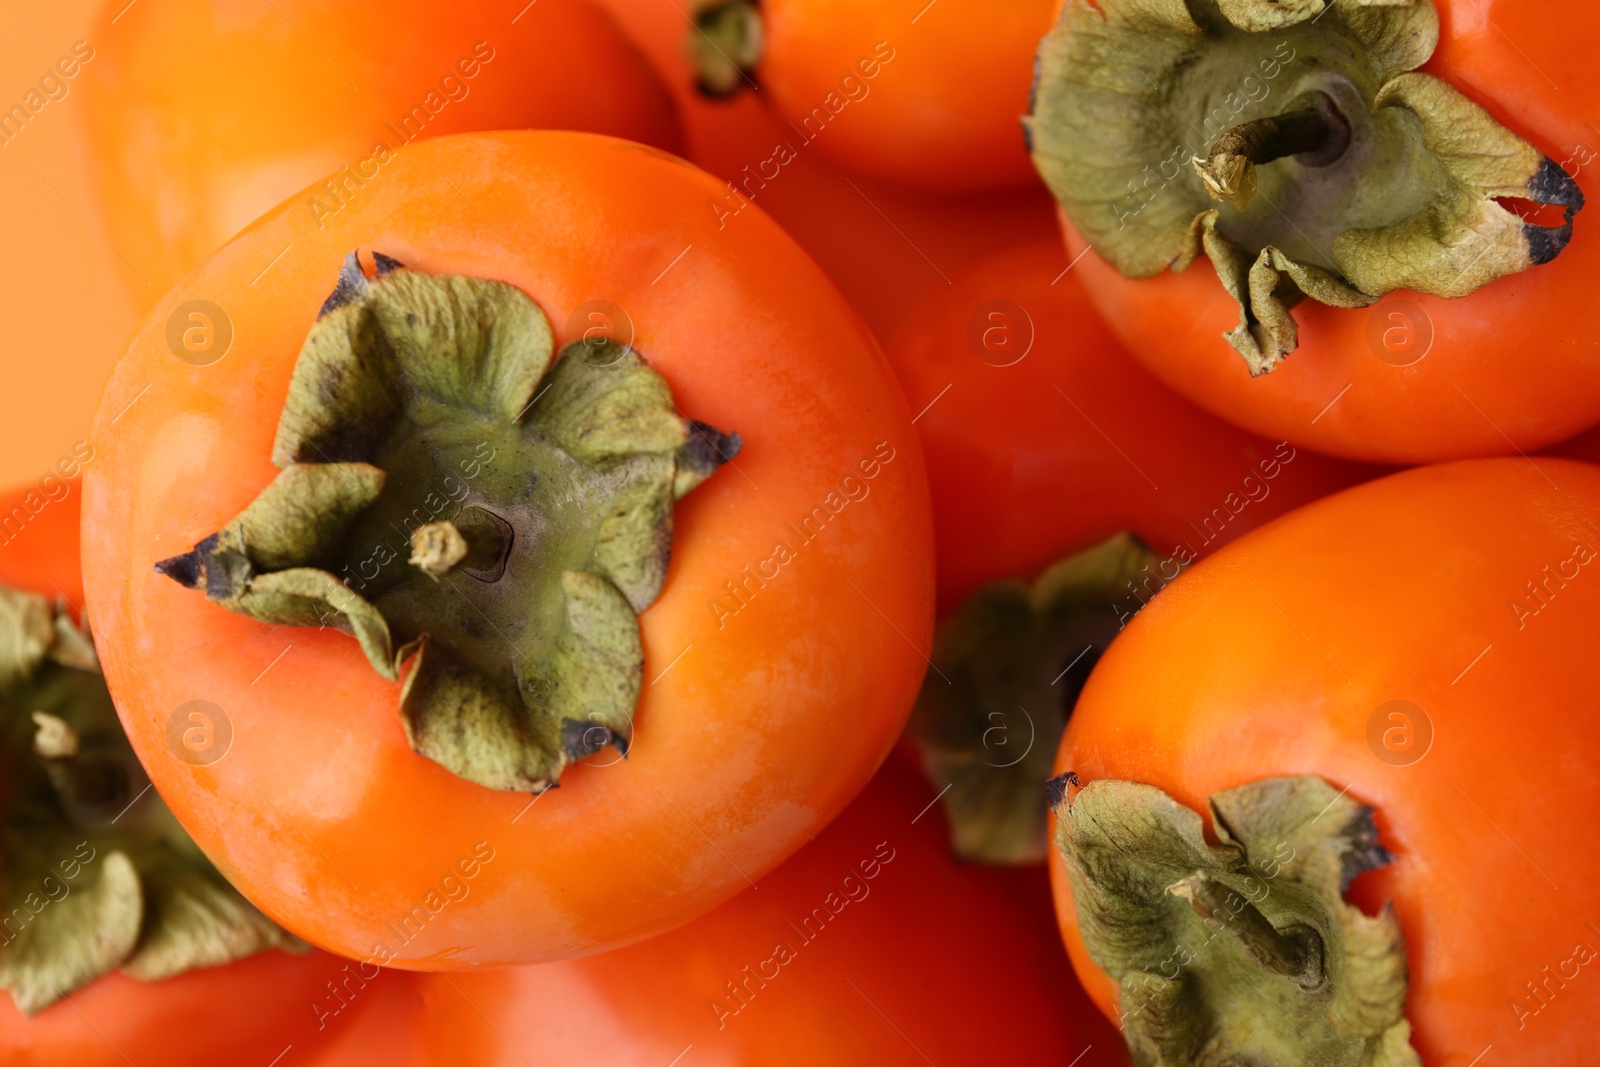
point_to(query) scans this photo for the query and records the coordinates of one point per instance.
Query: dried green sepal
(262, 564)
(1245, 951)
(1261, 16)
(725, 45)
(473, 723)
(72, 646)
(71, 943)
(1267, 288)
(990, 717)
(707, 449)
(1396, 41)
(633, 542)
(1346, 174)
(1099, 122)
(604, 404)
(95, 873)
(344, 418)
(194, 918)
(300, 517)
(27, 633)
(468, 342)
(576, 703)
(597, 669)
(531, 496)
(305, 596)
(1465, 241)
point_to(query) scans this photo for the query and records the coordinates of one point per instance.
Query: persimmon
(1382, 693)
(1352, 226)
(202, 114)
(1043, 437)
(885, 245)
(493, 534)
(832, 959)
(118, 941)
(1069, 486)
(913, 93)
(382, 1027)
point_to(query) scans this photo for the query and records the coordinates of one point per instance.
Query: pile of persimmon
(819, 531)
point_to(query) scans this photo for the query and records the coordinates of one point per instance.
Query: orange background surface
(64, 310)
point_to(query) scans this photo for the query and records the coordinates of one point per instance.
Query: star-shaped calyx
(96, 875)
(1345, 172)
(469, 508)
(1244, 951)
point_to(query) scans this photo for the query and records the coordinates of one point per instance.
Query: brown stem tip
(1318, 135)
(436, 549)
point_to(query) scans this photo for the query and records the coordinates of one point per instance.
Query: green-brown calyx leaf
(1245, 951)
(95, 873)
(725, 45)
(460, 498)
(1009, 664)
(1345, 173)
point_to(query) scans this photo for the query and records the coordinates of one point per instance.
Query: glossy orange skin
(39, 538)
(1402, 584)
(1515, 366)
(1075, 442)
(924, 95)
(740, 752)
(928, 960)
(888, 248)
(250, 1009)
(203, 114)
(246, 1012)
(377, 1028)
(883, 243)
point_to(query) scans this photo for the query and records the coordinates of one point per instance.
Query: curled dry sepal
(990, 716)
(535, 495)
(1245, 951)
(1133, 128)
(95, 873)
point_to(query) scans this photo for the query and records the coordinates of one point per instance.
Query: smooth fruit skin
(883, 243)
(1515, 366)
(39, 538)
(248, 1010)
(1073, 442)
(203, 114)
(926, 961)
(755, 727)
(937, 90)
(376, 1028)
(1273, 657)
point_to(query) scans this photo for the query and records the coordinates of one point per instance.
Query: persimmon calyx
(95, 873)
(1245, 951)
(463, 503)
(1009, 664)
(1345, 173)
(725, 45)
